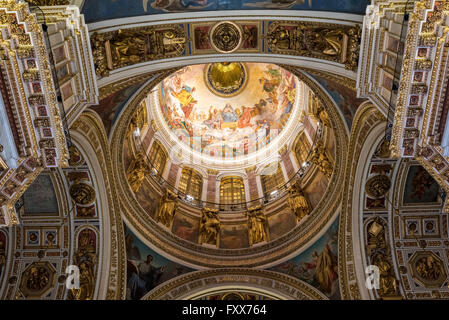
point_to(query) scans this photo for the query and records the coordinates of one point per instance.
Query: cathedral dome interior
(224, 150)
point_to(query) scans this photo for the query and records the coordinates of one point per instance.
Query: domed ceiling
(228, 111)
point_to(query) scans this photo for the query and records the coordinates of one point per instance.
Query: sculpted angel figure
(298, 202)
(209, 227)
(136, 172)
(257, 226)
(167, 208)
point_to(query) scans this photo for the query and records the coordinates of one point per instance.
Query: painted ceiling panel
(40, 197)
(97, 10)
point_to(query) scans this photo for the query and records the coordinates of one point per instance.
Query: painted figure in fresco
(277, 4)
(132, 252)
(257, 226)
(177, 5)
(149, 273)
(422, 181)
(245, 118)
(326, 269)
(251, 127)
(271, 84)
(228, 114)
(143, 277)
(186, 99)
(249, 36)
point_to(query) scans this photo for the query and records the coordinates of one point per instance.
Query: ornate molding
(195, 284)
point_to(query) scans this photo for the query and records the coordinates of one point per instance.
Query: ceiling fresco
(345, 98)
(145, 268)
(318, 264)
(97, 10)
(227, 110)
(109, 108)
(40, 197)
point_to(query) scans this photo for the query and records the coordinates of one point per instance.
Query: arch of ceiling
(266, 283)
(89, 132)
(163, 241)
(368, 117)
(84, 227)
(387, 227)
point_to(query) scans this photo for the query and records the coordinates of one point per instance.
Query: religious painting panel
(145, 268)
(318, 264)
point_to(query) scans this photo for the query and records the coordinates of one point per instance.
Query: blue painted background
(97, 10)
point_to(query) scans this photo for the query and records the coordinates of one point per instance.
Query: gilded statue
(321, 114)
(383, 151)
(85, 258)
(139, 120)
(428, 268)
(376, 236)
(75, 156)
(284, 39)
(37, 278)
(128, 47)
(377, 186)
(97, 41)
(209, 227)
(298, 202)
(333, 40)
(257, 226)
(320, 159)
(167, 208)
(82, 193)
(388, 285)
(137, 171)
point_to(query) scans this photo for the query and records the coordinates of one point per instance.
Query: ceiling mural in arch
(40, 197)
(145, 268)
(97, 10)
(344, 96)
(318, 264)
(420, 187)
(109, 107)
(228, 110)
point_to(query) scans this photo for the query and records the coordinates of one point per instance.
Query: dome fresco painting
(228, 110)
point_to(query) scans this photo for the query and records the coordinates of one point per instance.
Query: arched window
(272, 181)
(302, 148)
(158, 157)
(191, 183)
(232, 190)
